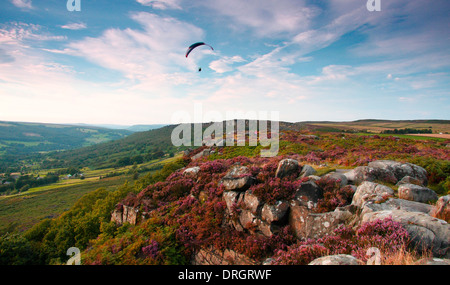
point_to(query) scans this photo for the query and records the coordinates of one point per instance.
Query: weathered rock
(308, 194)
(248, 220)
(426, 232)
(310, 137)
(359, 174)
(313, 178)
(267, 229)
(442, 208)
(287, 167)
(366, 173)
(396, 204)
(432, 261)
(338, 177)
(251, 202)
(409, 180)
(416, 193)
(401, 170)
(268, 261)
(117, 217)
(213, 256)
(339, 259)
(202, 153)
(191, 172)
(231, 199)
(237, 179)
(370, 191)
(306, 224)
(307, 170)
(274, 213)
(125, 214)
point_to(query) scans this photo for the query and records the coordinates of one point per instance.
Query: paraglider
(193, 46)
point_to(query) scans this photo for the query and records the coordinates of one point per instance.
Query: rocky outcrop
(339, 259)
(409, 180)
(400, 170)
(274, 213)
(307, 224)
(191, 172)
(388, 171)
(213, 256)
(425, 223)
(247, 212)
(338, 177)
(416, 193)
(370, 191)
(366, 173)
(124, 214)
(307, 170)
(237, 179)
(371, 201)
(396, 204)
(433, 261)
(442, 208)
(308, 194)
(287, 167)
(426, 232)
(202, 153)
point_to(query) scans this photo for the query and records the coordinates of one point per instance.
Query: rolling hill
(137, 147)
(98, 148)
(21, 139)
(377, 126)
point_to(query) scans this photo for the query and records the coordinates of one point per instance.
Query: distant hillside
(133, 128)
(19, 138)
(143, 128)
(145, 146)
(378, 126)
(137, 147)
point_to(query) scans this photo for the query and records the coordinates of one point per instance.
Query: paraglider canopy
(193, 46)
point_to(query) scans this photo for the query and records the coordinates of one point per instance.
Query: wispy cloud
(151, 57)
(224, 64)
(264, 18)
(330, 60)
(24, 4)
(161, 4)
(74, 26)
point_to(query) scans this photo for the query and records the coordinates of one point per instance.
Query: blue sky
(122, 62)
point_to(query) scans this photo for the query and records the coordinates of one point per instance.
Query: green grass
(20, 212)
(25, 143)
(25, 210)
(413, 137)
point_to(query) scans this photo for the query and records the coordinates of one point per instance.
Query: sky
(123, 62)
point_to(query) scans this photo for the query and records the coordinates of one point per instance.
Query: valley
(144, 172)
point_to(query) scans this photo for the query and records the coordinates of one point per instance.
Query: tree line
(408, 131)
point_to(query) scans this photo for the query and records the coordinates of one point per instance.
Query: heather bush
(257, 247)
(386, 235)
(356, 150)
(333, 195)
(300, 254)
(275, 189)
(150, 243)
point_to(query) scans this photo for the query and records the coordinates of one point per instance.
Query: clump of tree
(25, 182)
(408, 131)
(89, 218)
